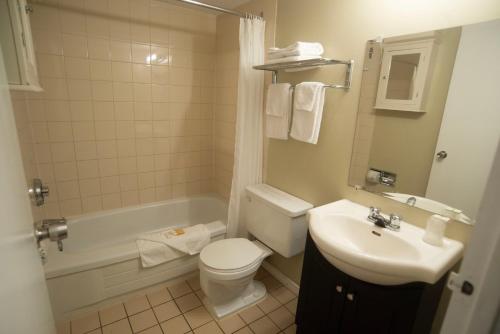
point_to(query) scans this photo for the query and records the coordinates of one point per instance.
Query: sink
(374, 254)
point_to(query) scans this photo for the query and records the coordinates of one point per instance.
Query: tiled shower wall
(127, 112)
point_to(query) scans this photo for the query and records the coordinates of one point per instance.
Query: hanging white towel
(307, 111)
(163, 246)
(278, 108)
(278, 99)
(296, 49)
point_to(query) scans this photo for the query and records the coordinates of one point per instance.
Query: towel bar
(311, 63)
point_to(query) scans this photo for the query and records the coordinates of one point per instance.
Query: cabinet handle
(350, 296)
(339, 288)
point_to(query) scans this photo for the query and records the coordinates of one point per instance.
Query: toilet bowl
(227, 268)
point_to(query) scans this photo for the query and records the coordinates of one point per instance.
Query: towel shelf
(311, 63)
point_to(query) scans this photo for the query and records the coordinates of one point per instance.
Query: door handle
(441, 155)
(350, 296)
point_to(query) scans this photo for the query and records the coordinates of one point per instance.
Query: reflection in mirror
(401, 80)
(436, 153)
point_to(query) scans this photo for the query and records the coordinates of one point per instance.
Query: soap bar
(434, 233)
(174, 232)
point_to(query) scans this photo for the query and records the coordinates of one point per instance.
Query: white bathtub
(100, 258)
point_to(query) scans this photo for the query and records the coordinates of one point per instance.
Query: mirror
(17, 45)
(429, 118)
(402, 73)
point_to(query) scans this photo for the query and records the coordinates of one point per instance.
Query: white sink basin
(377, 255)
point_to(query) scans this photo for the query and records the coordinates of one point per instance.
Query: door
(470, 128)
(476, 313)
(24, 301)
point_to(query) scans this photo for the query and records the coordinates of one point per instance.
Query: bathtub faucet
(52, 229)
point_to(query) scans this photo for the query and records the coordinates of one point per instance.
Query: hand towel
(307, 122)
(305, 95)
(163, 246)
(278, 108)
(296, 49)
(278, 99)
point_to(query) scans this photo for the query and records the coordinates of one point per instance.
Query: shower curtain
(247, 167)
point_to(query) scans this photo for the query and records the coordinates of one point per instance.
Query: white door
(471, 123)
(476, 313)
(24, 300)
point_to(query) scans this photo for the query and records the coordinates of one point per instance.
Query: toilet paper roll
(373, 176)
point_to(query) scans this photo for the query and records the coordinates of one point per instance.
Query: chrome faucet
(411, 201)
(392, 223)
(52, 229)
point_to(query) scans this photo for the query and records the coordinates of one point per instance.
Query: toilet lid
(230, 254)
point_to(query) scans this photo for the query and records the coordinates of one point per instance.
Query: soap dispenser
(434, 233)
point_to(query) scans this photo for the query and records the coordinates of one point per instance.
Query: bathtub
(100, 258)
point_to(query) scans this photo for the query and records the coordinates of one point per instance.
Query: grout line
(154, 314)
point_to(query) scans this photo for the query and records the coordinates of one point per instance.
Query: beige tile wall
(127, 112)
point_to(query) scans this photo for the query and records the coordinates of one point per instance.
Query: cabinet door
(321, 296)
(403, 75)
(376, 309)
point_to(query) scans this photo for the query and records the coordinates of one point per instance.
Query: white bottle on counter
(434, 233)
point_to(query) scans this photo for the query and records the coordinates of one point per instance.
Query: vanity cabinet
(330, 301)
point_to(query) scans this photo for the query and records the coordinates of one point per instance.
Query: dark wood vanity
(330, 301)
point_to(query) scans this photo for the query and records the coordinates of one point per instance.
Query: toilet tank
(276, 218)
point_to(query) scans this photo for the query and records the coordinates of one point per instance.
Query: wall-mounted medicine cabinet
(17, 45)
(403, 75)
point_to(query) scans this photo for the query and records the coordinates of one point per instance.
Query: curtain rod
(219, 9)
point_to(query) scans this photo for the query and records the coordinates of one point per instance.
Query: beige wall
(113, 129)
(226, 86)
(404, 142)
(319, 173)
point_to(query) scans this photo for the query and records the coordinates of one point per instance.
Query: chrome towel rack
(311, 63)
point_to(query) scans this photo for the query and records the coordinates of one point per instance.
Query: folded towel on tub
(159, 247)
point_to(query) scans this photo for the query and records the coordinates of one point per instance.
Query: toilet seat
(234, 255)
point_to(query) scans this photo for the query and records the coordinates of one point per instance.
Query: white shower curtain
(247, 167)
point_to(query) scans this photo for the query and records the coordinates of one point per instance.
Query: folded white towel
(307, 122)
(163, 246)
(296, 49)
(278, 108)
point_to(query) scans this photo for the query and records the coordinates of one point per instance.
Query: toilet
(227, 267)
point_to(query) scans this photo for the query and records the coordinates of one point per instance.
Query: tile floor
(178, 309)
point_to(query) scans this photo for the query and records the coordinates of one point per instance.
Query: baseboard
(281, 277)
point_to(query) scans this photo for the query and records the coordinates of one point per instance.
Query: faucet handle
(374, 211)
(395, 221)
